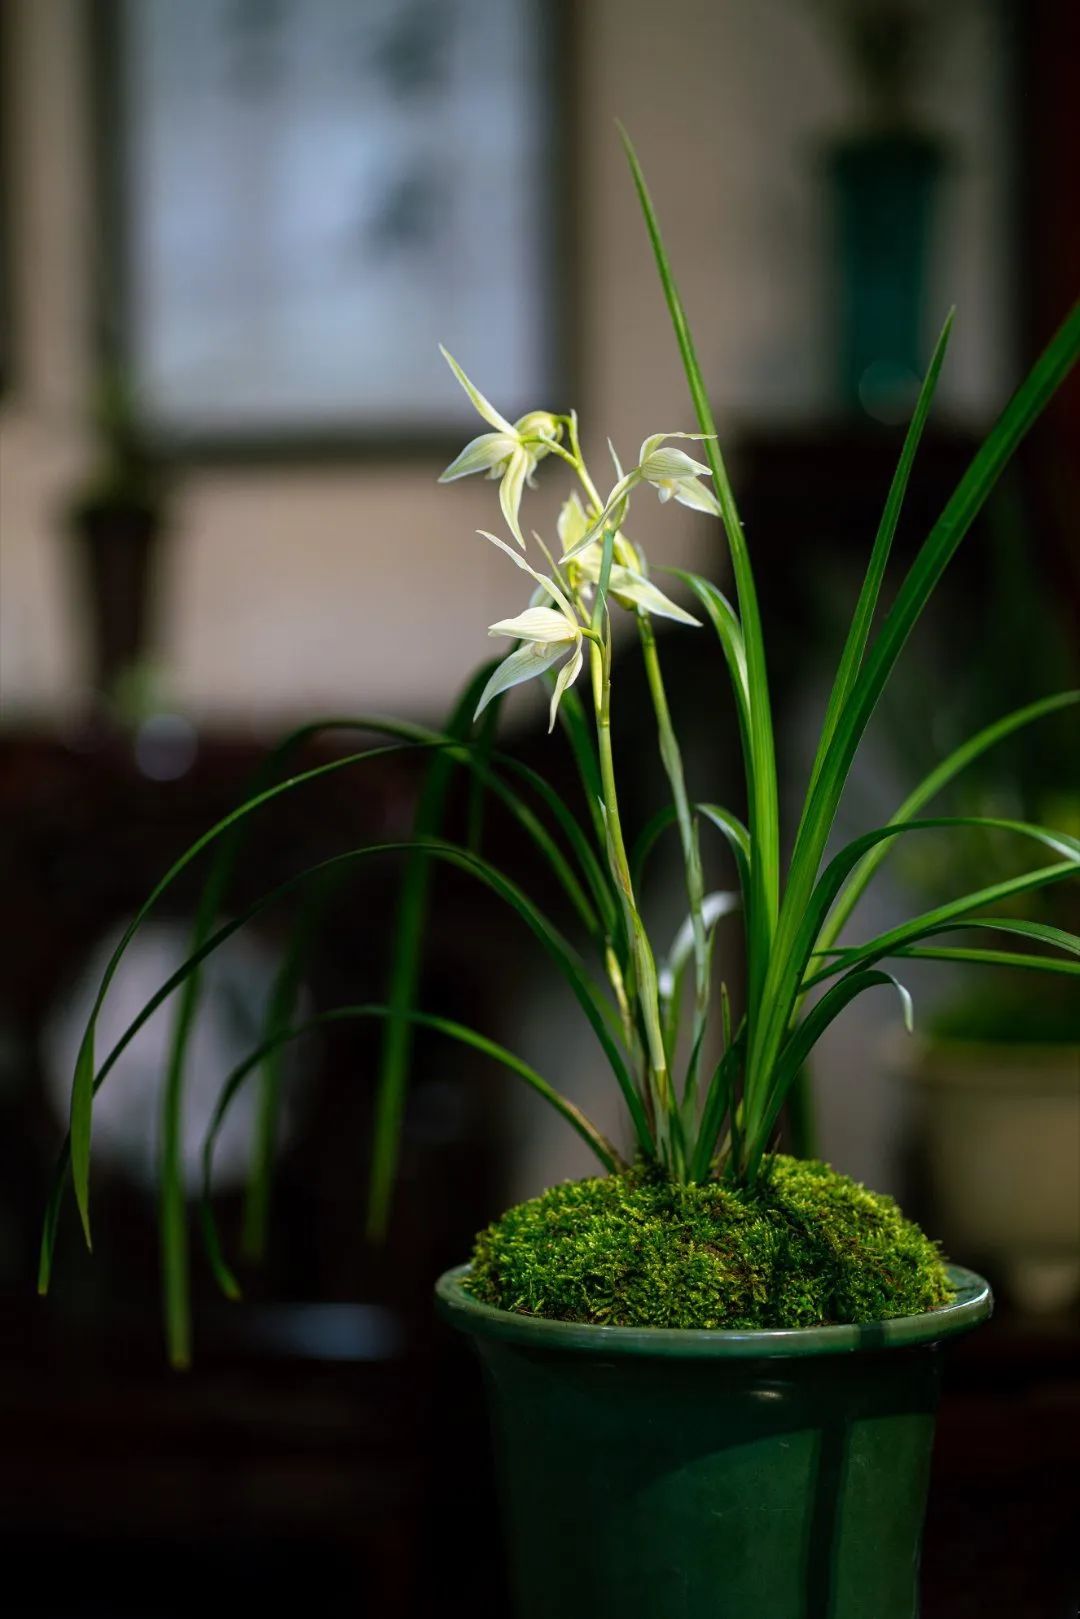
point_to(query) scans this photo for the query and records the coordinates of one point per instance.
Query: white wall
(296, 590)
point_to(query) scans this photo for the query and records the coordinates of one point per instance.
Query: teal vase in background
(655, 1474)
(884, 190)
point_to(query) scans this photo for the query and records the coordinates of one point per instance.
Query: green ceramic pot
(657, 1474)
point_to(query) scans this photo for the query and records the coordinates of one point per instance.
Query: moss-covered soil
(805, 1247)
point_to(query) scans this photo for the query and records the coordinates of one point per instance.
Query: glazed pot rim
(973, 1304)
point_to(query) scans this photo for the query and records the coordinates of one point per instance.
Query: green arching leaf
(937, 551)
(725, 622)
(81, 1124)
(756, 923)
(176, 980)
(859, 631)
(82, 1090)
(718, 1100)
(646, 841)
(944, 917)
(173, 1216)
(839, 868)
(738, 839)
(323, 869)
(82, 1086)
(405, 958)
(690, 845)
(279, 1014)
(172, 1193)
(929, 788)
(1041, 932)
(915, 591)
(596, 1009)
(578, 1121)
(412, 911)
(1038, 932)
(599, 884)
(764, 815)
(800, 937)
(990, 958)
(802, 1042)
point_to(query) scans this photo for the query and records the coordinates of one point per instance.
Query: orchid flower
(510, 453)
(546, 634)
(627, 584)
(672, 473)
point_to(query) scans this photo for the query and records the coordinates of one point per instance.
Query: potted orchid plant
(712, 1367)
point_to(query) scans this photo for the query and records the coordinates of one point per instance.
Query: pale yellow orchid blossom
(509, 453)
(672, 473)
(627, 584)
(546, 634)
(675, 475)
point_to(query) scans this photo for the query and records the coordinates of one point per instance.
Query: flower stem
(671, 758)
(668, 1130)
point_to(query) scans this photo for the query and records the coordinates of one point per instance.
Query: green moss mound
(804, 1247)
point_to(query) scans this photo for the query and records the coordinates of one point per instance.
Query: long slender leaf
(718, 1099)
(806, 1037)
(279, 1014)
(173, 1226)
(172, 1192)
(82, 1091)
(738, 840)
(786, 974)
(729, 633)
(573, 1115)
(759, 919)
(416, 736)
(596, 1009)
(929, 788)
(990, 958)
(839, 868)
(918, 585)
(944, 917)
(1038, 932)
(405, 965)
(736, 834)
(937, 551)
(859, 632)
(764, 817)
(690, 843)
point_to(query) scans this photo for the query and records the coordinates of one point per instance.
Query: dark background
(329, 1446)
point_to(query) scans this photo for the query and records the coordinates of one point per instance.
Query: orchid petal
(626, 585)
(484, 454)
(668, 463)
(566, 677)
(510, 491)
(697, 496)
(573, 523)
(620, 491)
(537, 624)
(526, 663)
(480, 404)
(549, 585)
(654, 441)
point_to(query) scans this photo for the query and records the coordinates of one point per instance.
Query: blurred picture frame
(300, 199)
